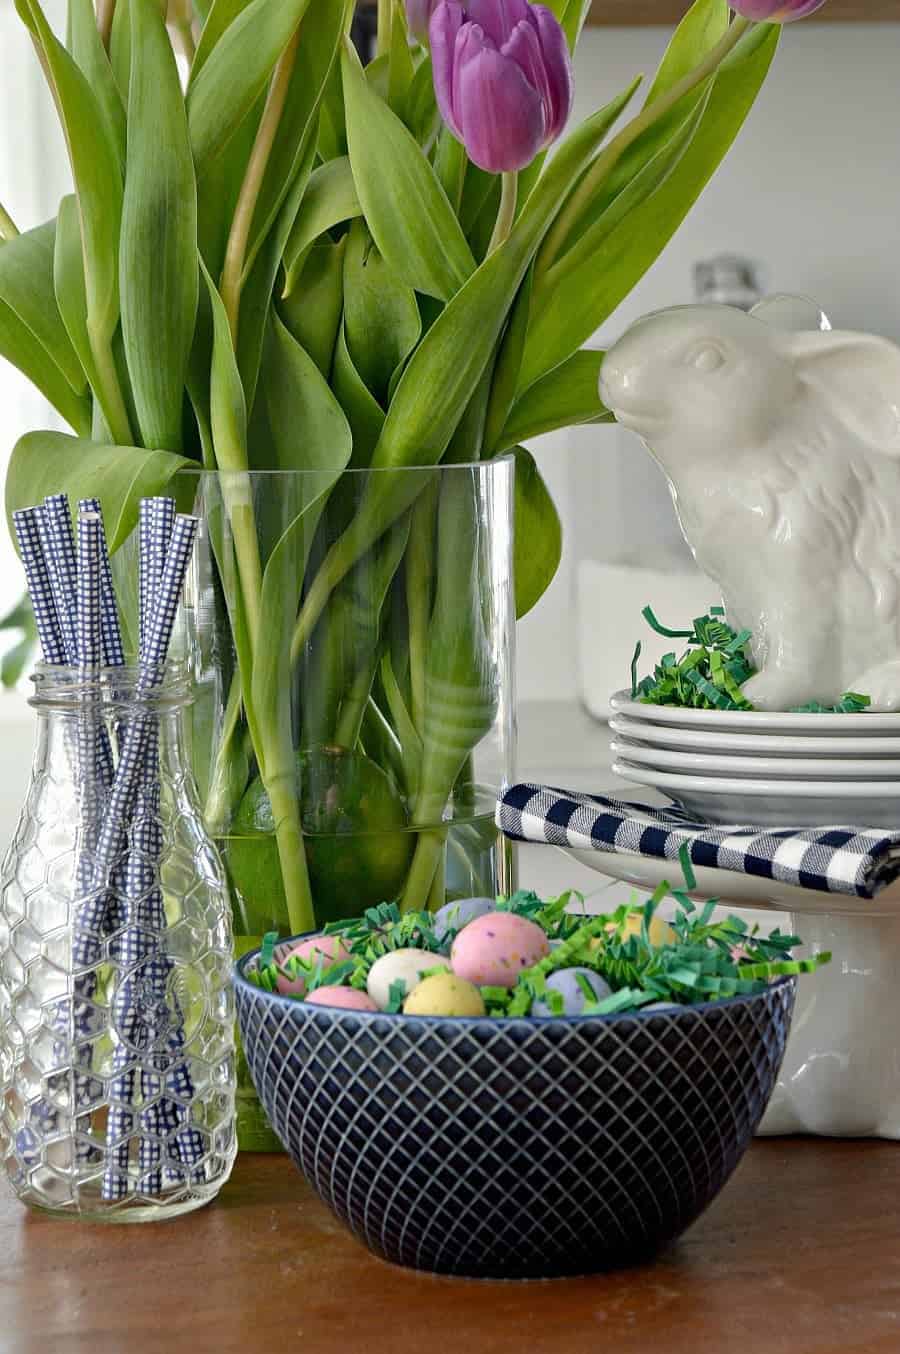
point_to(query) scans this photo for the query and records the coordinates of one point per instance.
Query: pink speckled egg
(493, 950)
(350, 998)
(332, 949)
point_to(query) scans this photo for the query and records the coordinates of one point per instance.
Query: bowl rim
(544, 1022)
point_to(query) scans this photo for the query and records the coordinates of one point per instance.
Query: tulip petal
(503, 120)
(776, 11)
(418, 15)
(523, 46)
(558, 65)
(443, 30)
(497, 17)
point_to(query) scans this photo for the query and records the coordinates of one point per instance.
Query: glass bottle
(117, 1064)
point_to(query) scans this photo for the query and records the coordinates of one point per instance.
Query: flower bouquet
(276, 259)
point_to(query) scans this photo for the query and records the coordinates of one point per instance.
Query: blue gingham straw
(113, 651)
(55, 525)
(166, 546)
(26, 522)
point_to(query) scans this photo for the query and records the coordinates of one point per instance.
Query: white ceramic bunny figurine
(782, 451)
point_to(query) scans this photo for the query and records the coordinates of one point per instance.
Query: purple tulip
(503, 78)
(418, 14)
(776, 11)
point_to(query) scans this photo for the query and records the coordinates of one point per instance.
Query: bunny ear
(854, 376)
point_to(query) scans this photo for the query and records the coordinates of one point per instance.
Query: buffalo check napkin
(858, 861)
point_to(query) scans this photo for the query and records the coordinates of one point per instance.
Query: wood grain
(799, 1255)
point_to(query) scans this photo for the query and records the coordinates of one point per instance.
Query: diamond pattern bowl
(515, 1148)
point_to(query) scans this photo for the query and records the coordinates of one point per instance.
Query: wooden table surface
(799, 1255)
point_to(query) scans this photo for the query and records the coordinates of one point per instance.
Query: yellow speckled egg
(660, 931)
(443, 994)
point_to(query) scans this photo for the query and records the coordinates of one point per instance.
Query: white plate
(757, 721)
(775, 803)
(778, 768)
(734, 889)
(754, 744)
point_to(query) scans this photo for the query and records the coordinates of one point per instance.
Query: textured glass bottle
(117, 1072)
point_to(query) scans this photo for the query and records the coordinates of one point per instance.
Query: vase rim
(506, 458)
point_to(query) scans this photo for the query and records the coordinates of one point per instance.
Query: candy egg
(350, 998)
(453, 916)
(493, 950)
(400, 966)
(565, 982)
(444, 994)
(662, 1006)
(330, 948)
(660, 931)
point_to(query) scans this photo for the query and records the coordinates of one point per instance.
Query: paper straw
(135, 790)
(26, 522)
(113, 651)
(55, 526)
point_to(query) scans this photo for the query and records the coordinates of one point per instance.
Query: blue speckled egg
(453, 916)
(565, 982)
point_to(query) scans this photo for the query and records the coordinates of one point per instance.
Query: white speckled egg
(493, 950)
(400, 966)
(565, 982)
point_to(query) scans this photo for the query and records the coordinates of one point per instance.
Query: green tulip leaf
(313, 310)
(329, 200)
(20, 347)
(222, 14)
(68, 281)
(537, 545)
(590, 292)
(364, 414)
(381, 318)
(321, 30)
(159, 264)
(424, 242)
(421, 113)
(236, 72)
(26, 288)
(96, 169)
(565, 398)
(45, 463)
(401, 67)
(90, 54)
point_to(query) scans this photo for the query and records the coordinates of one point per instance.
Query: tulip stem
(566, 223)
(232, 281)
(506, 215)
(385, 25)
(105, 11)
(8, 228)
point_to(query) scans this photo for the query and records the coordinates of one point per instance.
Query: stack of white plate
(771, 768)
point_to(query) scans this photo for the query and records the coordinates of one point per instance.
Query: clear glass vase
(351, 638)
(117, 1059)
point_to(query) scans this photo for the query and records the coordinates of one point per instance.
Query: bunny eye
(706, 358)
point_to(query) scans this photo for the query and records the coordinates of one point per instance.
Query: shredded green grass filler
(712, 670)
(706, 960)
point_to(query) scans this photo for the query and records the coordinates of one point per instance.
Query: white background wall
(811, 189)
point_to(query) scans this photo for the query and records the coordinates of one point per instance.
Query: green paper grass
(707, 961)
(712, 670)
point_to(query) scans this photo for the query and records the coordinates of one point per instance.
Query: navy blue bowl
(515, 1148)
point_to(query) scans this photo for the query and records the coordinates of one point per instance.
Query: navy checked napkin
(851, 860)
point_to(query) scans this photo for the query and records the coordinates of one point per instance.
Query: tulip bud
(503, 78)
(775, 11)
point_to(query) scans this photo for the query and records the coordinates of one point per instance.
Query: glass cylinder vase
(352, 642)
(117, 1069)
